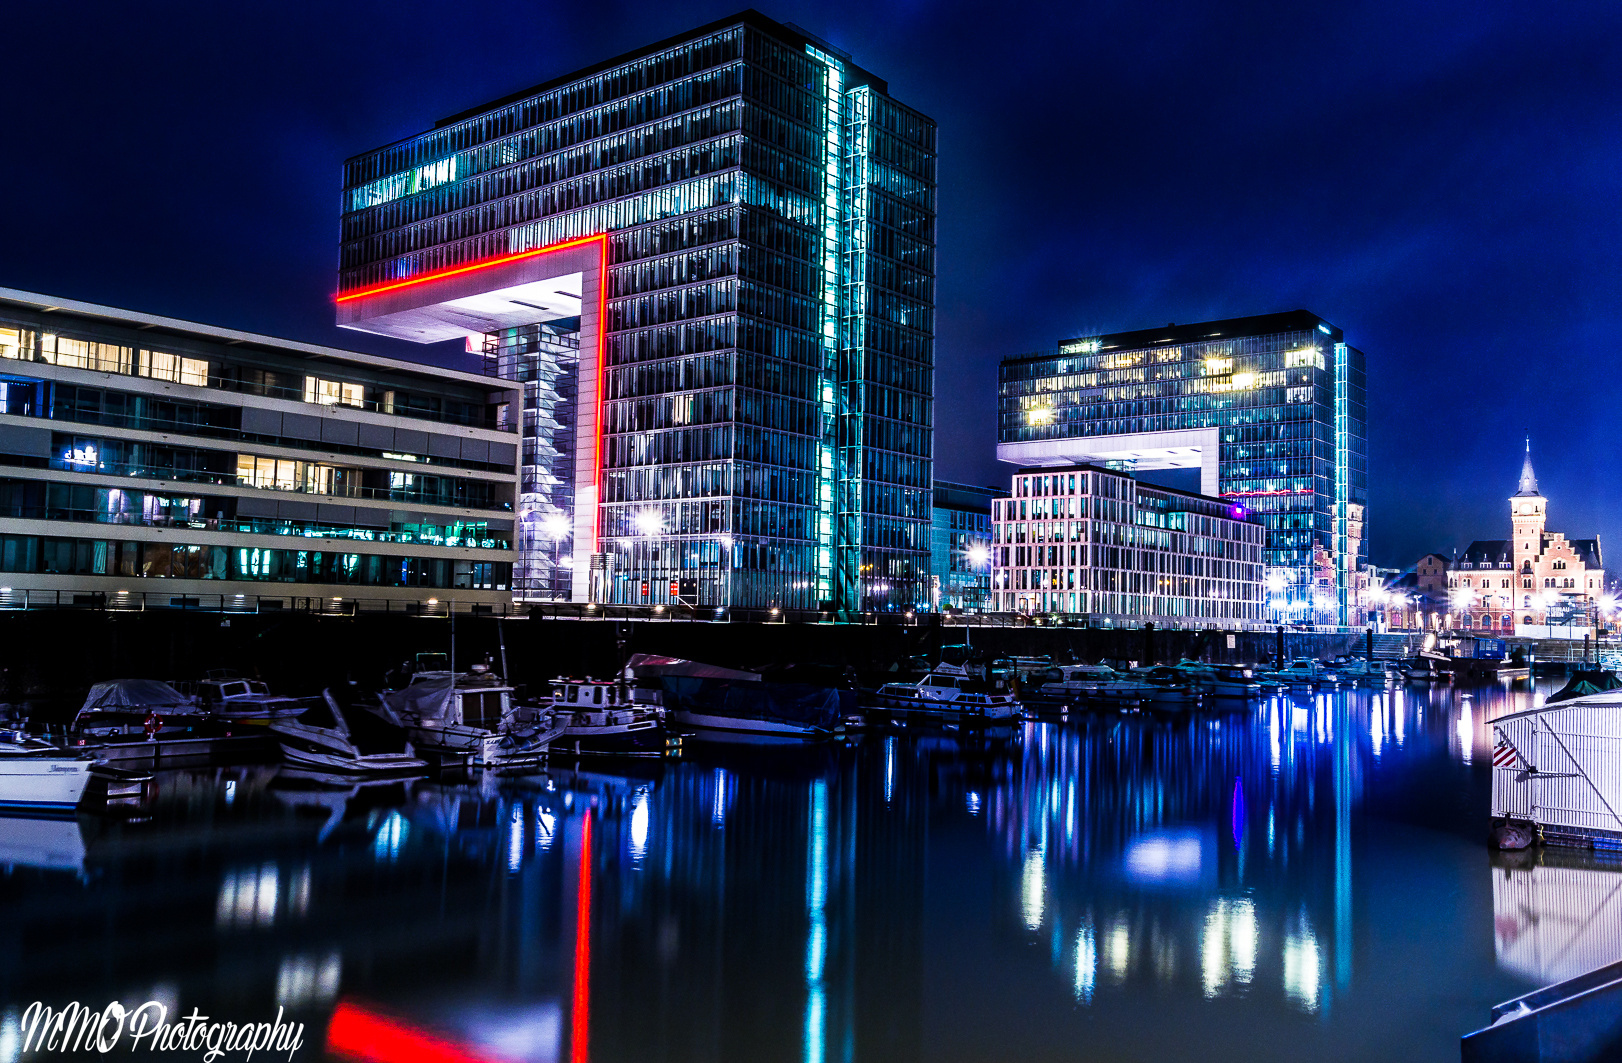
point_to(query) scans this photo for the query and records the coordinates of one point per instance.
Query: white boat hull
(43, 782)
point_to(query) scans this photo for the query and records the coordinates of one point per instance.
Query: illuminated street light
(979, 555)
(648, 522)
(556, 526)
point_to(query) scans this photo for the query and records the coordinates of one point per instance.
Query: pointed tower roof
(1529, 480)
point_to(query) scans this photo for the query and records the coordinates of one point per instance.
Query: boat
(36, 775)
(230, 698)
(1234, 682)
(347, 739)
(122, 708)
(471, 716)
(601, 717)
(941, 695)
(802, 703)
(1583, 683)
(1358, 670)
(1199, 675)
(1301, 673)
(1072, 681)
(1170, 688)
(1426, 667)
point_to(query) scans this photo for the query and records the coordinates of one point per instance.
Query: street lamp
(556, 528)
(1459, 599)
(1277, 582)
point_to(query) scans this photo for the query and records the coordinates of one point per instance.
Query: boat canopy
(426, 698)
(134, 695)
(799, 703)
(652, 666)
(1585, 683)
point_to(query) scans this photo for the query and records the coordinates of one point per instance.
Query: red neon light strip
(389, 286)
(580, 1013)
(602, 356)
(361, 1034)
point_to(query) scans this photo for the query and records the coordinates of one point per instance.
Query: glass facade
(136, 449)
(1272, 409)
(1083, 540)
(960, 546)
(767, 386)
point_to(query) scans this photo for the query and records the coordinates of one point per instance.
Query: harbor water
(1304, 879)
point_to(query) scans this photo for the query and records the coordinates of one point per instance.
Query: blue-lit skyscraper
(712, 263)
(1272, 411)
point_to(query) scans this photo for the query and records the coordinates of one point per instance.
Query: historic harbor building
(1537, 583)
(1271, 411)
(1085, 540)
(711, 265)
(155, 463)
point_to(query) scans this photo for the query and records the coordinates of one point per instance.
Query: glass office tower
(749, 421)
(1271, 410)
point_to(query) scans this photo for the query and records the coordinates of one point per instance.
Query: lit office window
(161, 366)
(333, 392)
(16, 343)
(278, 473)
(85, 354)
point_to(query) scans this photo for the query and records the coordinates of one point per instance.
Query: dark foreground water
(1309, 880)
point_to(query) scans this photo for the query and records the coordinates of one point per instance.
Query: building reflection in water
(815, 903)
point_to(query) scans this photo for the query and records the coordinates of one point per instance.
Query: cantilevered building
(711, 262)
(1271, 410)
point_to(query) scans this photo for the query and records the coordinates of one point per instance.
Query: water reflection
(1308, 876)
(1556, 914)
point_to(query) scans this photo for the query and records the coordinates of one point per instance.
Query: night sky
(1439, 180)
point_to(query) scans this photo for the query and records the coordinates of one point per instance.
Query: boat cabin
(212, 692)
(590, 694)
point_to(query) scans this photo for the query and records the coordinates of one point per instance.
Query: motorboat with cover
(1077, 680)
(121, 708)
(800, 703)
(34, 774)
(331, 736)
(1359, 670)
(943, 696)
(1585, 682)
(230, 698)
(1233, 682)
(1301, 673)
(1427, 667)
(602, 717)
(471, 715)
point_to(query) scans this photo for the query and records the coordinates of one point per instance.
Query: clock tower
(1528, 511)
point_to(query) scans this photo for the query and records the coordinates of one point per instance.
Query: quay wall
(49, 658)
